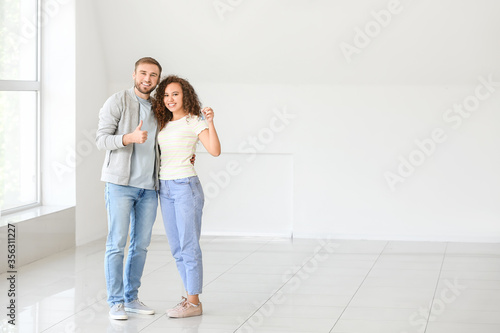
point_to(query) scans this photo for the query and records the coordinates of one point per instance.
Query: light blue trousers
(181, 207)
(134, 207)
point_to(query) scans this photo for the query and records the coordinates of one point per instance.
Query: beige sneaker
(185, 309)
(178, 306)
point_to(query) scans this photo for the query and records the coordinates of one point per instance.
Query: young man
(127, 131)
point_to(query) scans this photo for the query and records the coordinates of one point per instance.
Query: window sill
(29, 214)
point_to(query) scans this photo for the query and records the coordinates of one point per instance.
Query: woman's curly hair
(190, 100)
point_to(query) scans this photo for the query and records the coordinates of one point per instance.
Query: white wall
(39, 235)
(309, 132)
(91, 92)
(58, 103)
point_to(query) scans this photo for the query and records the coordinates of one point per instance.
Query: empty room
(335, 167)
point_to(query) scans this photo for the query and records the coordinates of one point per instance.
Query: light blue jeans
(181, 207)
(127, 205)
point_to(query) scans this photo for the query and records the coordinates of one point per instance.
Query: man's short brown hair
(148, 60)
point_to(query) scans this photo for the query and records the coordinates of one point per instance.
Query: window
(19, 104)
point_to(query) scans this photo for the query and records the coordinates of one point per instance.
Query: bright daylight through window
(19, 104)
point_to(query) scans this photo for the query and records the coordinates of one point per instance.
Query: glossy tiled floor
(277, 285)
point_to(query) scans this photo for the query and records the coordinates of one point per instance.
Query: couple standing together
(150, 143)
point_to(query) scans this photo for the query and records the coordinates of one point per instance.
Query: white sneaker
(118, 312)
(137, 306)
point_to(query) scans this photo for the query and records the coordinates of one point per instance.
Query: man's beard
(139, 87)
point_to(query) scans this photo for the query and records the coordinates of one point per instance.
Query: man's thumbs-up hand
(137, 136)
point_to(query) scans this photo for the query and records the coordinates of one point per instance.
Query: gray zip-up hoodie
(118, 116)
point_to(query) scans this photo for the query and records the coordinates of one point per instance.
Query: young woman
(180, 125)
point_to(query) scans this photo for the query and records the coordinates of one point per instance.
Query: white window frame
(34, 86)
